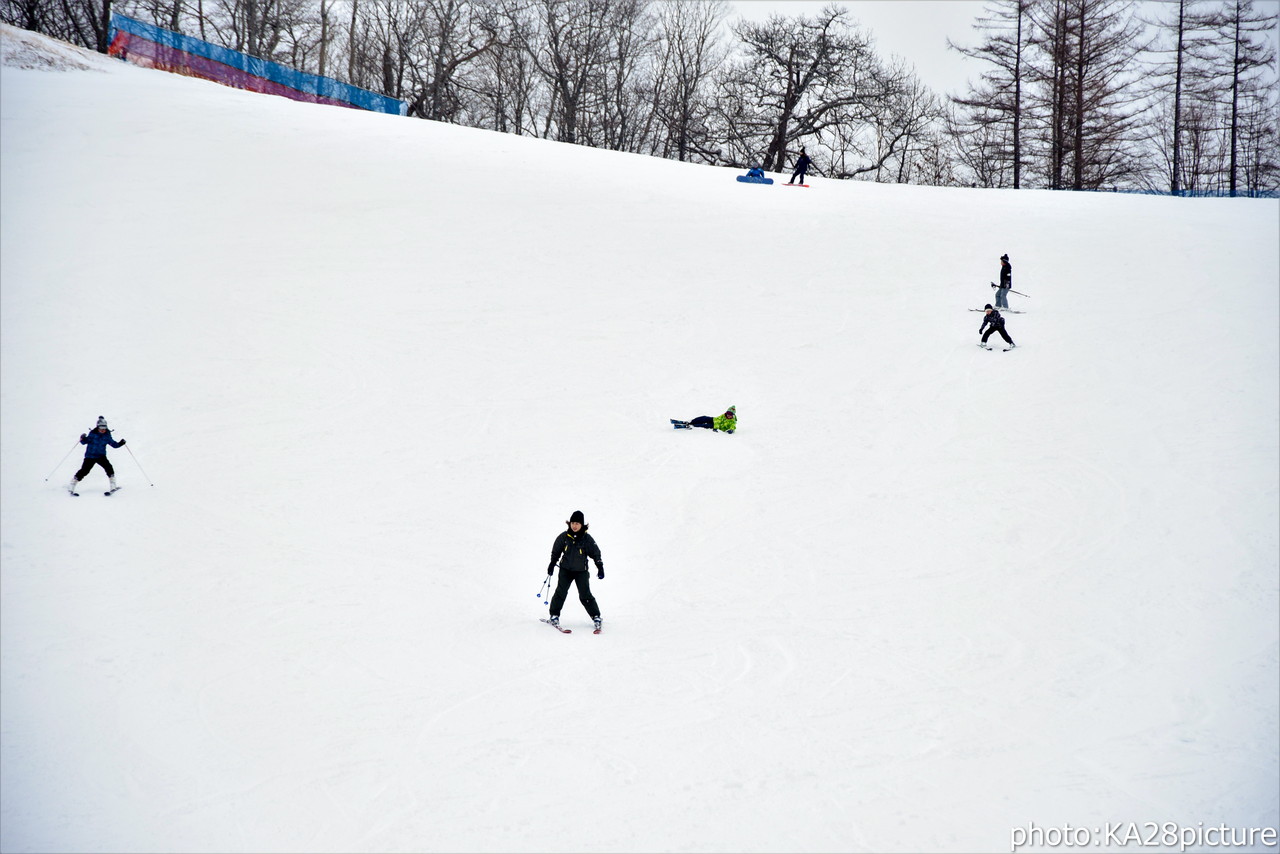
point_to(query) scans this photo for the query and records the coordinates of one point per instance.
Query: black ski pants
(1003, 334)
(583, 580)
(88, 467)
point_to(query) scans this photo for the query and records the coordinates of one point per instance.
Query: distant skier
(96, 442)
(1006, 282)
(802, 166)
(726, 423)
(572, 549)
(995, 320)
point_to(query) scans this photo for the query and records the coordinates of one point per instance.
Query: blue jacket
(97, 444)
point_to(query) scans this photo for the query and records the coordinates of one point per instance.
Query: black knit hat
(987, 306)
(1004, 257)
(577, 517)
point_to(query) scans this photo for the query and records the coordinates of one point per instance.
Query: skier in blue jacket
(802, 166)
(95, 454)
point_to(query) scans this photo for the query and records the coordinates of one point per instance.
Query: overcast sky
(917, 30)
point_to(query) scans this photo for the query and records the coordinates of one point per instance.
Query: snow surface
(925, 595)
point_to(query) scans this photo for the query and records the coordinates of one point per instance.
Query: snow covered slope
(927, 594)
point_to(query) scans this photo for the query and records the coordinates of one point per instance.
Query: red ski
(795, 185)
(561, 629)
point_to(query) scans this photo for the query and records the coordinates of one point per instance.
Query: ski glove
(122, 441)
(600, 573)
(551, 570)
(84, 436)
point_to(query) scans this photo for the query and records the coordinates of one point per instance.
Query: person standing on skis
(571, 551)
(802, 166)
(1006, 283)
(95, 454)
(995, 320)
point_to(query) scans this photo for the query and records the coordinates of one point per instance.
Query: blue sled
(748, 180)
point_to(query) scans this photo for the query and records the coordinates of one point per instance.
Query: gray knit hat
(102, 422)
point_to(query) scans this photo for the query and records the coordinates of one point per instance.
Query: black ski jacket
(1006, 274)
(995, 318)
(572, 551)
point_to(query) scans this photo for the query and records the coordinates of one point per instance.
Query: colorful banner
(151, 47)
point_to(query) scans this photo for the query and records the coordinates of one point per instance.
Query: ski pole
(1012, 291)
(63, 460)
(545, 585)
(140, 468)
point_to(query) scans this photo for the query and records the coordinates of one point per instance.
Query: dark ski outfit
(1006, 282)
(996, 322)
(571, 550)
(802, 166)
(95, 453)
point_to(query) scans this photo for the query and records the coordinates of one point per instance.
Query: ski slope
(367, 366)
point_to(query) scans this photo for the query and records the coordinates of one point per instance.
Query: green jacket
(725, 423)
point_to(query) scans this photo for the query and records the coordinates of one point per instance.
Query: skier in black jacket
(572, 549)
(995, 320)
(1006, 282)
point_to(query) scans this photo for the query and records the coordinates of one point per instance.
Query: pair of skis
(681, 425)
(108, 492)
(562, 630)
(989, 347)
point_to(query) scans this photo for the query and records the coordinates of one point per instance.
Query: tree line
(1072, 94)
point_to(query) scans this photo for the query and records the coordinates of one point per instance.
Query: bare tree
(688, 56)
(1086, 101)
(568, 52)
(449, 35)
(509, 94)
(799, 77)
(998, 98)
(623, 82)
(1181, 30)
(1240, 56)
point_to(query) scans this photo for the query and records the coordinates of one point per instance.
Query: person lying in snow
(726, 423)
